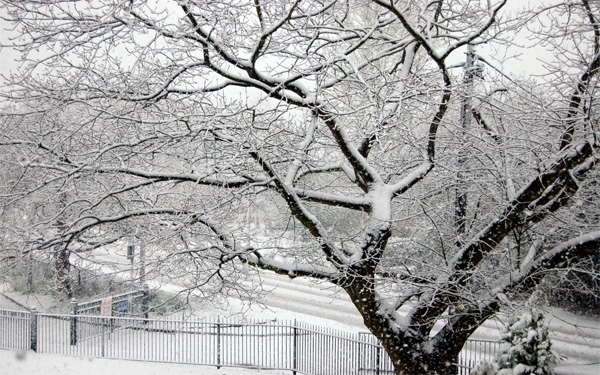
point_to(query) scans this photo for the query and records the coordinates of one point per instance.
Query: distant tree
(429, 194)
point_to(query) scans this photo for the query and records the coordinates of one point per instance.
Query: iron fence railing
(474, 352)
(281, 345)
(15, 330)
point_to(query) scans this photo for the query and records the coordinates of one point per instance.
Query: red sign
(106, 308)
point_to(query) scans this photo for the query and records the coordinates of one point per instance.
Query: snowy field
(30, 363)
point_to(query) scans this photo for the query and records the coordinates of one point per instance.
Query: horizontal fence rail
(280, 345)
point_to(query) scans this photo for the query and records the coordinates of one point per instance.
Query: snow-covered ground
(31, 363)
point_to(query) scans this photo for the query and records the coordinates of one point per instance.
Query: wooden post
(142, 261)
(30, 272)
(131, 256)
(460, 200)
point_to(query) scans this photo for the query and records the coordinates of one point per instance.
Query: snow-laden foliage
(485, 368)
(527, 349)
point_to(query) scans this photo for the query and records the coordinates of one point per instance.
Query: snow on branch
(412, 178)
(490, 236)
(474, 313)
(366, 173)
(298, 210)
(355, 203)
(189, 177)
(530, 273)
(292, 270)
(464, 262)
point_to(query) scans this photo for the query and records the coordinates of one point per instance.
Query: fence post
(295, 343)
(378, 358)
(359, 349)
(103, 341)
(73, 325)
(30, 272)
(33, 334)
(218, 343)
(453, 369)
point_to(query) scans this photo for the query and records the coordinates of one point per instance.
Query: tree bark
(62, 266)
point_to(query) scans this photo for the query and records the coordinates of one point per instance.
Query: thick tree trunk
(408, 353)
(460, 200)
(412, 352)
(62, 267)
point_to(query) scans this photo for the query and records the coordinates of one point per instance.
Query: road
(576, 339)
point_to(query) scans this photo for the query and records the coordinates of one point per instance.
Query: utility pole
(142, 264)
(142, 260)
(131, 256)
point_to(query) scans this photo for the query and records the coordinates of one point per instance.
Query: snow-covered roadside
(31, 363)
(592, 369)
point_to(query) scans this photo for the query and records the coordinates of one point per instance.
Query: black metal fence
(285, 345)
(15, 329)
(474, 352)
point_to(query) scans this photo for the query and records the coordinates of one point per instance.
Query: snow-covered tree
(429, 194)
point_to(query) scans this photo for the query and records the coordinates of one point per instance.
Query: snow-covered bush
(527, 349)
(485, 368)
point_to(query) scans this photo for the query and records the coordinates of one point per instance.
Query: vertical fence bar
(103, 339)
(357, 347)
(73, 325)
(295, 348)
(218, 344)
(33, 334)
(377, 358)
